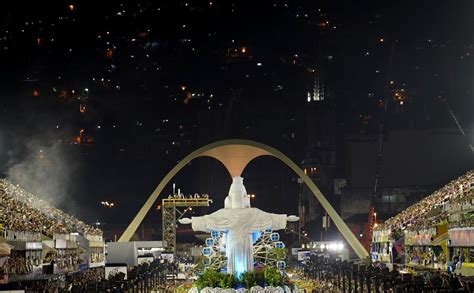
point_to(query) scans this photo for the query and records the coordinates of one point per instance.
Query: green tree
(272, 276)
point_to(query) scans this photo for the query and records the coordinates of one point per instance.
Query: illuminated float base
(243, 290)
(268, 251)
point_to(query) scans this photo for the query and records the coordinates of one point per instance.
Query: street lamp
(107, 204)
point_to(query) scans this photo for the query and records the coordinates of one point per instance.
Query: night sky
(99, 99)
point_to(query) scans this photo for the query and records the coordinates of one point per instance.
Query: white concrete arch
(235, 154)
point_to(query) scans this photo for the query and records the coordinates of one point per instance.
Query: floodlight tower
(170, 207)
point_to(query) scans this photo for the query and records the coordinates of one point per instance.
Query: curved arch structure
(235, 154)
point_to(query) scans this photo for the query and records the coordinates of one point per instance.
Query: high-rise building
(319, 162)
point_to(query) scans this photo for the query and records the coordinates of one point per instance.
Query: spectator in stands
(458, 193)
(22, 211)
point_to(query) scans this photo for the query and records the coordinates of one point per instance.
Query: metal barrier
(344, 276)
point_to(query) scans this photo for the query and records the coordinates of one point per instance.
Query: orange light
(63, 94)
(71, 7)
(188, 97)
(109, 54)
(183, 88)
(77, 139)
(88, 140)
(323, 25)
(82, 108)
(399, 96)
(244, 50)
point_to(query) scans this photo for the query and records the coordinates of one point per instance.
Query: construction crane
(455, 119)
(381, 134)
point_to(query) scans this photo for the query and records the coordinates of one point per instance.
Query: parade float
(243, 253)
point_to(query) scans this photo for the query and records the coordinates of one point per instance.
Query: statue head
(237, 197)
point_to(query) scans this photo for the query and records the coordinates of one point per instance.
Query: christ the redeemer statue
(238, 220)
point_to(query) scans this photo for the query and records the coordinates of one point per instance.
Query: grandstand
(25, 212)
(426, 213)
(38, 239)
(435, 232)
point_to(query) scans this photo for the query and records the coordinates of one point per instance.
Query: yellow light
(71, 7)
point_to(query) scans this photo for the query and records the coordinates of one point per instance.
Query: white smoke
(45, 170)
(37, 155)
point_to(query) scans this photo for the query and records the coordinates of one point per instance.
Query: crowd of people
(425, 258)
(17, 265)
(67, 262)
(142, 278)
(365, 276)
(60, 283)
(23, 211)
(418, 216)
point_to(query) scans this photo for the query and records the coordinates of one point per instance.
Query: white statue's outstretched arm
(185, 221)
(292, 218)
